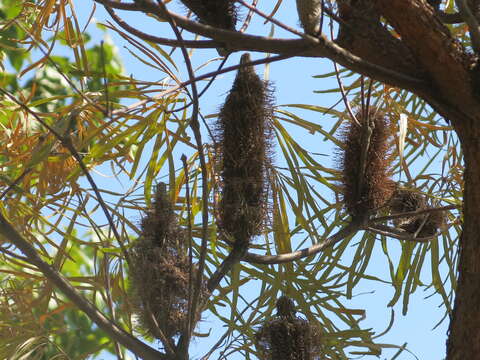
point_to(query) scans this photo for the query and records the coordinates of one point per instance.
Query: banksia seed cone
(365, 177)
(218, 13)
(243, 135)
(309, 13)
(406, 201)
(287, 337)
(159, 271)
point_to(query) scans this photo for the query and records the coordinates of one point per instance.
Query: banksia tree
(218, 13)
(160, 271)
(424, 225)
(243, 135)
(365, 163)
(287, 337)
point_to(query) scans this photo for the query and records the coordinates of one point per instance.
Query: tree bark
(464, 332)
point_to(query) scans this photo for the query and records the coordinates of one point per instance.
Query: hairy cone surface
(159, 272)
(218, 13)
(243, 134)
(406, 201)
(287, 337)
(377, 187)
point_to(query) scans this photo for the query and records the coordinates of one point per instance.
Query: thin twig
(394, 233)
(194, 44)
(184, 340)
(190, 239)
(210, 82)
(249, 17)
(201, 77)
(342, 89)
(412, 213)
(15, 183)
(274, 21)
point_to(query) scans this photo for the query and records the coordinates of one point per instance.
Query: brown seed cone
(159, 271)
(288, 337)
(407, 200)
(243, 136)
(377, 187)
(218, 13)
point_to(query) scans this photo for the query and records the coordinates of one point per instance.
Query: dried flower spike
(365, 163)
(243, 134)
(159, 271)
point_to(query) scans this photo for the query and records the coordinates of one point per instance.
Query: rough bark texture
(464, 332)
(364, 35)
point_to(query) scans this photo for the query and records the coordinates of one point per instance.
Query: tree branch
(112, 329)
(354, 226)
(194, 44)
(472, 22)
(395, 233)
(184, 340)
(308, 46)
(435, 49)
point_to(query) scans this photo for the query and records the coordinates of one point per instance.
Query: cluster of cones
(365, 163)
(160, 271)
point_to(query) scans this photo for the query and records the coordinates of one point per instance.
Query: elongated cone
(366, 181)
(309, 13)
(243, 134)
(160, 271)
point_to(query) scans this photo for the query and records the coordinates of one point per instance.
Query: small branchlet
(365, 163)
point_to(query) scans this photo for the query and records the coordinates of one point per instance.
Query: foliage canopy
(84, 146)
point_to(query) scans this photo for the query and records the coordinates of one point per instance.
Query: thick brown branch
(435, 48)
